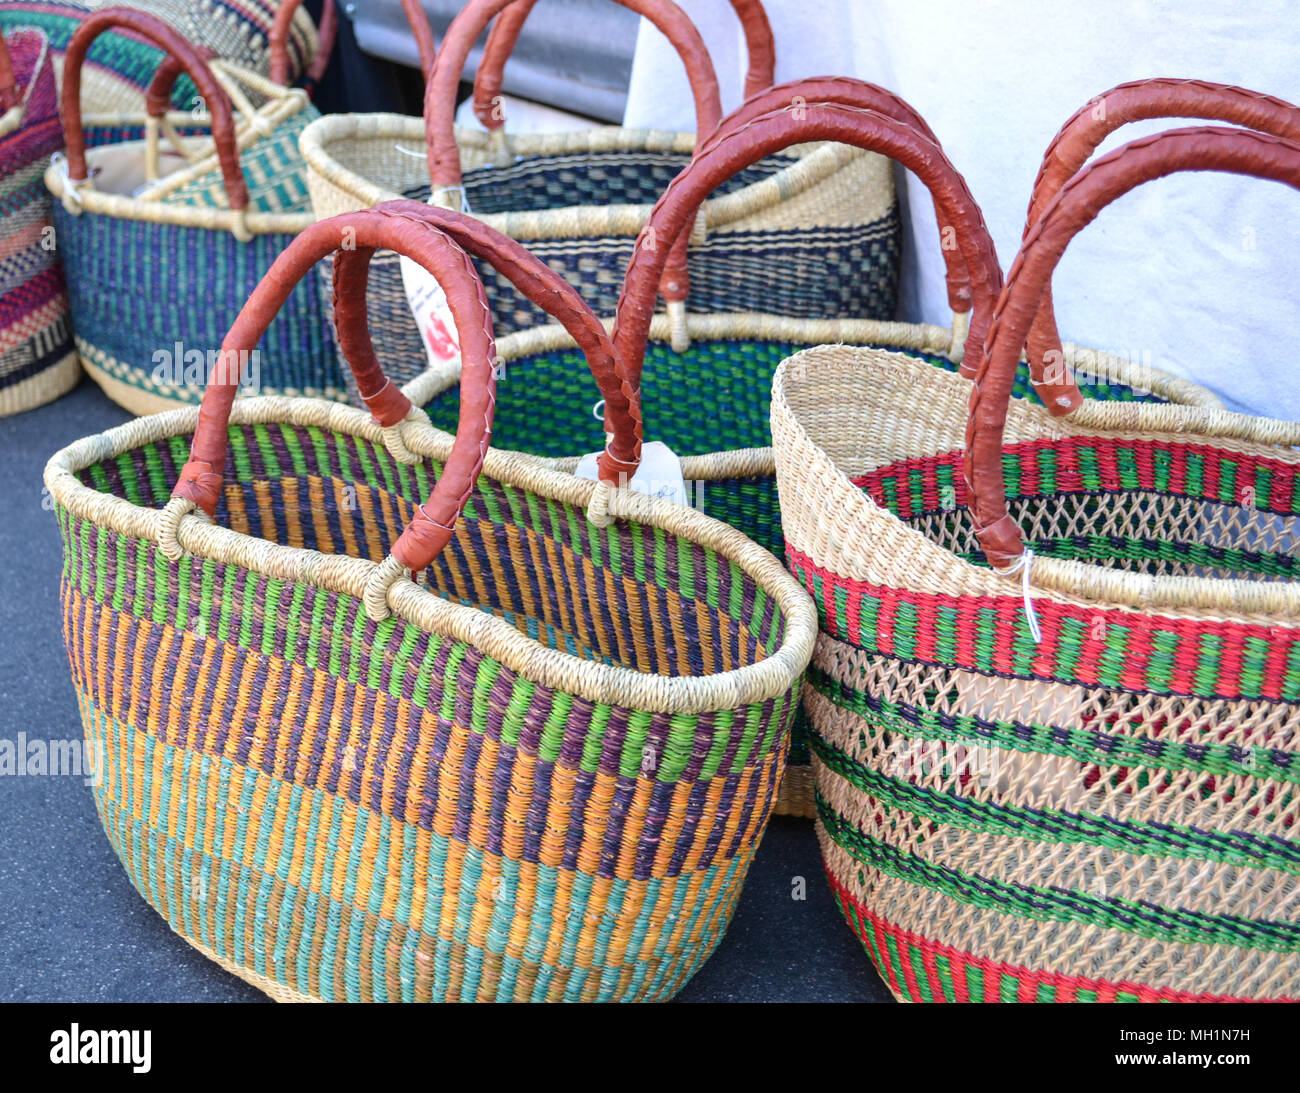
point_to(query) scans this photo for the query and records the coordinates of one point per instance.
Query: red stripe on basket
(1066, 987)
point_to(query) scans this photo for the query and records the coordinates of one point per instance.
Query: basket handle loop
(1082, 135)
(1077, 204)
(425, 42)
(846, 91)
(200, 479)
(505, 32)
(9, 95)
(738, 148)
(440, 103)
(158, 33)
(535, 280)
(279, 39)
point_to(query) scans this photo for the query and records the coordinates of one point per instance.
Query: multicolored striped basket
(538, 770)
(1061, 767)
(249, 33)
(711, 405)
(164, 239)
(37, 360)
(809, 233)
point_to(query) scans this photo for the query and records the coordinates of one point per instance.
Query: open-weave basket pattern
(343, 810)
(140, 288)
(1107, 815)
(120, 68)
(835, 270)
(37, 361)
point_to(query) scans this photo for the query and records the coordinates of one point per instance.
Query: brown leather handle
(1080, 199)
(440, 98)
(158, 96)
(158, 33)
(739, 148)
(200, 479)
(425, 42)
(279, 39)
(1082, 135)
(846, 91)
(503, 36)
(535, 280)
(9, 97)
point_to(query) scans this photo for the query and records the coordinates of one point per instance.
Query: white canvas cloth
(1199, 274)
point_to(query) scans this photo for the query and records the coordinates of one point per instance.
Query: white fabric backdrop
(1199, 274)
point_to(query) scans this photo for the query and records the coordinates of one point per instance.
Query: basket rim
(1069, 582)
(815, 163)
(772, 677)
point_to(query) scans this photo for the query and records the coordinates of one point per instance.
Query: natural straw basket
(810, 233)
(119, 67)
(37, 360)
(711, 405)
(1071, 776)
(160, 259)
(538, 771)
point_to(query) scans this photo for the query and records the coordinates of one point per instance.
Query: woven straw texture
(812, 234)
(160, 277)
(37, 360)
(711, 405)
(120, 68)
(515, 788)
(1107, 815)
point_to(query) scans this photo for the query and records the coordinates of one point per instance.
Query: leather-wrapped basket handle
(380, 227)
(535, 280)
(1083, 134)
(170, 41)
(425, 43)
(769, 133)
(279, 39)
(846, 91)
(441, 88)
(158, 96)
(9, 96)
(1077, 204)
(504, 35)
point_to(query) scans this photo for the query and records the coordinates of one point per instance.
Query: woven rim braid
(454, 804)
(1105, 814)
(121, 68)
(37, 360)
(394, 147)
(742, 475)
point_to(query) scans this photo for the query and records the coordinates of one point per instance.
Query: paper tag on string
(428, 303)
(660, 473)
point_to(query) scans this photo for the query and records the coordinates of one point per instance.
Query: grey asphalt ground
(73, 929)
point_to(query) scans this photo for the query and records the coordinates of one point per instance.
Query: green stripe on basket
(1083, 745)
(1059, 905)
(1058, 826)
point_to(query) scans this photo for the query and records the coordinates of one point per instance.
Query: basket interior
(630, 595)
(1164, 508)
(715, 397)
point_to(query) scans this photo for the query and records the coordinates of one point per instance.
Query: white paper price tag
(432, 314)
(660, 473)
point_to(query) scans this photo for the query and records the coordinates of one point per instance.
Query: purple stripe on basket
(661, 802)
(691, 817)
(467, 774)
(617, 816)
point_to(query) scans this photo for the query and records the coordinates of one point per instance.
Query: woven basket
(249, 33)
(539, 770)
(711, 405)
(812, 232)
(163, 245)
(37, 360)
(1065, 774)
